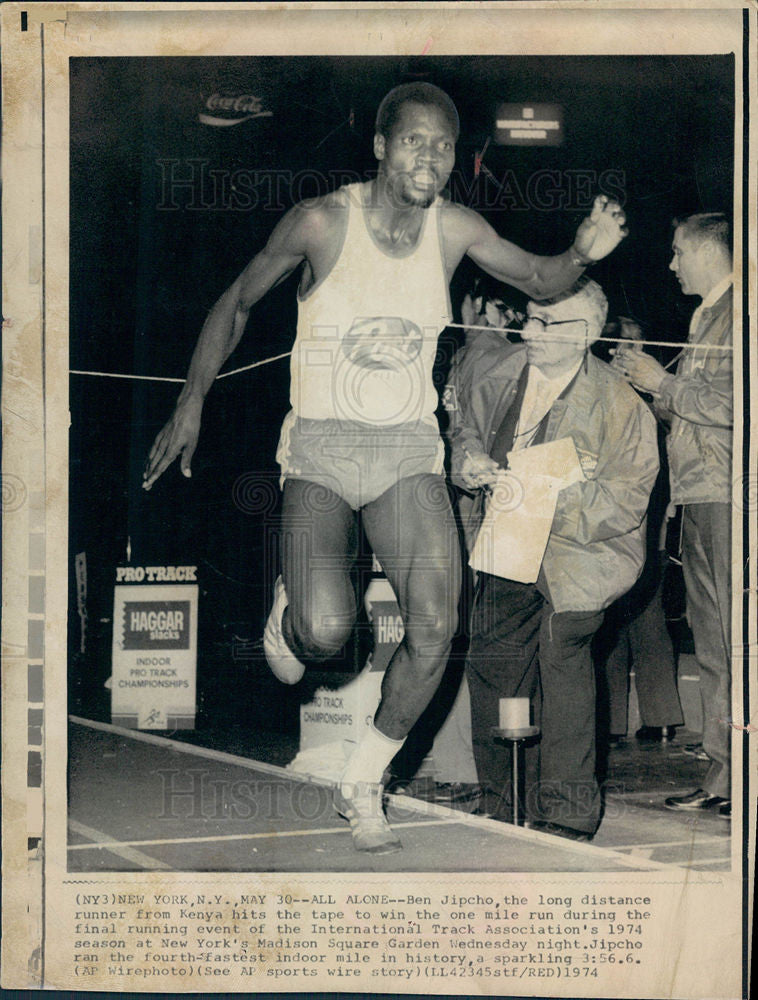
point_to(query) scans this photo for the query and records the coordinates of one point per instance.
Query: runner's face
(417, 157)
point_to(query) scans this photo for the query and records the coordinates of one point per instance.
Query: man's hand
(470, 310)
(601, 231)
(629, 329)
(178, 437)
(479, 470)
(639, 368)
(482, 311)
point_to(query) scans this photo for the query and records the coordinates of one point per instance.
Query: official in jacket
(698, 400)
(533, 640)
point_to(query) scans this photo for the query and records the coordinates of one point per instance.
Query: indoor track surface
(142, 802)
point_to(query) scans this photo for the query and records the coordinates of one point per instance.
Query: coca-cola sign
(231, 109)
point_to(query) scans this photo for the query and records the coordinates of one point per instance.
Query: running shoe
(361, 805)
(284, 664)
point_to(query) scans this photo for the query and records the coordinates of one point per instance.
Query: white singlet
(367, 333)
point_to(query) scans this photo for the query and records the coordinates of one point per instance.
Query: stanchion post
(516, 738)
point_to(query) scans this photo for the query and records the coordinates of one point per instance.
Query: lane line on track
(265, 835)
(496, 827)
(125, 851)
(197, 751)
(673, 843)
(651, 797)
(535, 836)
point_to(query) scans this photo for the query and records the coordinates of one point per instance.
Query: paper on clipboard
(513, 537)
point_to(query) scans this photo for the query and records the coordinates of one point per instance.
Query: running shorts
(357, 461)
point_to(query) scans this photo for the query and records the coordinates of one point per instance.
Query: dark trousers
(706, 559)
(521, 647)
(635, 632)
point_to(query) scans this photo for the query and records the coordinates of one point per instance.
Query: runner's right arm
(287, 247)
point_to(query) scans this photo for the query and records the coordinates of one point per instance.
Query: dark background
(148, 261)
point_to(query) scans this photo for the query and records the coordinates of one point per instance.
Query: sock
(369, 759)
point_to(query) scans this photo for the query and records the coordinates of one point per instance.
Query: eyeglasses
(555, 322)
(561, 322)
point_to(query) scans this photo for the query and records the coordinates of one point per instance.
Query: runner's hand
(602, 230)
(178, 437)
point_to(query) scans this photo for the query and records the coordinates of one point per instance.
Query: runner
(376, 263)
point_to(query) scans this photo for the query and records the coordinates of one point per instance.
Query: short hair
(417, 93)
(702, 227)
(592, 295)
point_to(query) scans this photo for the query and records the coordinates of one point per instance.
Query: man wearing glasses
(533, 639)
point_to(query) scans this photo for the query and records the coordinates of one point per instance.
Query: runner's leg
(318, 546)
(412, 531)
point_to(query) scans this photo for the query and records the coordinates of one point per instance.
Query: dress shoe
(445, 793)
(417, 788)
(655, 734)
(695, 750)
(454, 791)
(503, 813)
(484, 813)
(568, 832)
(699, 799)
(725, 809)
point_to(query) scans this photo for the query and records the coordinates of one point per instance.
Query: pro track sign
(154, 654)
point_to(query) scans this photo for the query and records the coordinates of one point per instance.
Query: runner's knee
(431, 632)
(319, 638)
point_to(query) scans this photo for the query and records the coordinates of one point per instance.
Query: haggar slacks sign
(154, 647)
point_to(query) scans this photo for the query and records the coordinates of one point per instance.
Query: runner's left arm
(540, 277)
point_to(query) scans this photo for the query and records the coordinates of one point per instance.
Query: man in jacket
(698, 401)
(533, 639)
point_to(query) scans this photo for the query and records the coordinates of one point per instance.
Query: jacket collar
(578, 394)
(704, 316)
(581, 390)
(714, 307)
(716, 293)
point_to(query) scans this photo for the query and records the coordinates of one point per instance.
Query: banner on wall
(154, 648)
